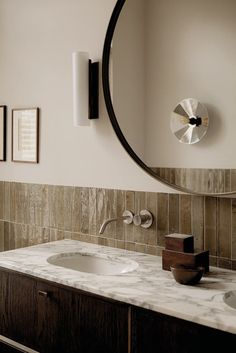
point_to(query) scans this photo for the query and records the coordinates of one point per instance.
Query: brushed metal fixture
(43, 294)
(189, 121)
(127, 218)
(144, 219)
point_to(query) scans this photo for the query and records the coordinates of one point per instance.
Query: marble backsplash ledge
(32, 214)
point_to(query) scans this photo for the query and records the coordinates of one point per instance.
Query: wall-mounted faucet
(127, 218)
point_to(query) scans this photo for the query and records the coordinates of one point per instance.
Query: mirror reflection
(189, 121)
(164, 51)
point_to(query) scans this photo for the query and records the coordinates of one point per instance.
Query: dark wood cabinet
(50, 318)
(157, 333)
(19, 307)
(103, 326)
(3, 300)
(71, 322)
(58, 318)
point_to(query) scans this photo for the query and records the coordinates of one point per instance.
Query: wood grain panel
(84, 210)
(39, 205)
(106, 323)
(197, 220)
(20, 317)
(224, 228)
(67, 203)
(92, 211)
(173, 213)
(57, 320)
(185, 214)
(210, 237)
(233, 244)
(1, 236)
(162, 218)
(157, 333)
(1, 200)
(7, 200)
(56, 204)
(151, 205)
(76, 210)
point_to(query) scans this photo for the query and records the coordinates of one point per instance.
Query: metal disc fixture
(189, 121)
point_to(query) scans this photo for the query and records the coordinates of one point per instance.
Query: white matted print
(25, 135)
(3, 133)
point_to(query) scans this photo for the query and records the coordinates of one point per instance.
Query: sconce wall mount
(85, 89)
(93, 90)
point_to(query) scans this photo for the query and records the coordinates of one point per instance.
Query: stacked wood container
(179, 249)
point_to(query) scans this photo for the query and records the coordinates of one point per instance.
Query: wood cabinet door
(71, 322)
(18, 304)
(157, 333)
(57, 319)
(103, 326)
(50, 318)
(3, 301)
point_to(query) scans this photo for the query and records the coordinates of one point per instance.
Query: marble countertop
(148, 286)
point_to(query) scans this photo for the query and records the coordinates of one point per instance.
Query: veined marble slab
(148, 286)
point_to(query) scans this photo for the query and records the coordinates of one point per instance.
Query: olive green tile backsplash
(32, 214)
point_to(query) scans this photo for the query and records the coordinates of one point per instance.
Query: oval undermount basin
(91, 263)
(230, 298)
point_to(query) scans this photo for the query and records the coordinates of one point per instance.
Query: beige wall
(191, 53)
(36, 41)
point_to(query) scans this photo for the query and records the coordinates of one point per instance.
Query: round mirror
(156, 54)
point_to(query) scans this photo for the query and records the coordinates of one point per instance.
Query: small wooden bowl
(187, 275)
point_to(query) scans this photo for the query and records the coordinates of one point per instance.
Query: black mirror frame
(108, 101)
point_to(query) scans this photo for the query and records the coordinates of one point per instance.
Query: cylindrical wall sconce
(85, 89)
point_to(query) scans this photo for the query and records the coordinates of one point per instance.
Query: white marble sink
(230, 298)
(93, 263)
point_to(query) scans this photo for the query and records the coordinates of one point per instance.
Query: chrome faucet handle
(128, 217)
(143, 219)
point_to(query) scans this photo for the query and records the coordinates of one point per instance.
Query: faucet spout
(127, 217)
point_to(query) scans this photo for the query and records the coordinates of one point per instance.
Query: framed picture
(25, 135)
(3, 132)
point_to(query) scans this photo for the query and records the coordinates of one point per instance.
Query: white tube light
(80, 65)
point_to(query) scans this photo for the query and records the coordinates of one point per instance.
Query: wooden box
(170, 257)
(180, 242)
